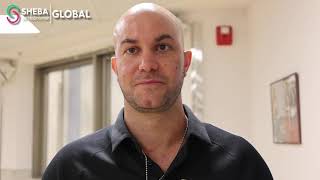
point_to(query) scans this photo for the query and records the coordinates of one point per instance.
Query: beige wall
(285, 38)
(17, 119)
(225, 69)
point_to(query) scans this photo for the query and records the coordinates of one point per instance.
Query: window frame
(102, 98)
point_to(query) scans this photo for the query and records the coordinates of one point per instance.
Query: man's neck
(160, 135)
(156, 131)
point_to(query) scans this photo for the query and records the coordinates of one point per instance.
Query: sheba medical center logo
(13, 12)
(45, 14)
(18, 19)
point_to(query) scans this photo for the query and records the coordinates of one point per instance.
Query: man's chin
(150, 108)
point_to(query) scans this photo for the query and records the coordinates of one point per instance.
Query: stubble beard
(169, 100)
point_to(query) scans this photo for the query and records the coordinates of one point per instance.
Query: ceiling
(70, 37)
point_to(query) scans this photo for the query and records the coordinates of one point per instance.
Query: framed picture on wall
(286, 110)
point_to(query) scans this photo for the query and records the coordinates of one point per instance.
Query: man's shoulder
(232, 144)
(73, 157)
(239, 153)
(87, 145)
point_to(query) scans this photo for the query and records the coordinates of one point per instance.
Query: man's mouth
(149, 81)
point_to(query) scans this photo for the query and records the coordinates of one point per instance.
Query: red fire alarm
(224, 35)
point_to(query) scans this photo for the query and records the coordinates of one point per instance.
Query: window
(68, 106)
(71, 100)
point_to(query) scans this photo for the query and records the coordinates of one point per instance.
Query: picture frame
(285, 107)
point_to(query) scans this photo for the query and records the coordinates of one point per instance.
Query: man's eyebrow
(130, 41)
(160, 38)
(164, 36)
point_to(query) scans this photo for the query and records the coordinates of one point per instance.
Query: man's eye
(132, 50)
(163, 47)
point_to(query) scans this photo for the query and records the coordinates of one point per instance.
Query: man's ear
(187, 61)
(114, 65)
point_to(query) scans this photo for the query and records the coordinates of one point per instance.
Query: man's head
(150, 61)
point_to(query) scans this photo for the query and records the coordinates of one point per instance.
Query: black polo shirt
(113, 154)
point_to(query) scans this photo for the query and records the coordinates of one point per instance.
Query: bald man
(155, 136)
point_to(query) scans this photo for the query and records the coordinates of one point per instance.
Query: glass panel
(69, 107)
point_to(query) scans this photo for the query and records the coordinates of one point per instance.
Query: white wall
(285, 38)
(225, 69)
(17, 119)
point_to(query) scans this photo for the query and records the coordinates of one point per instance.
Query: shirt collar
(120, 131)
(196, 127)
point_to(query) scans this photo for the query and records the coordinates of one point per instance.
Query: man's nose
(148, 62)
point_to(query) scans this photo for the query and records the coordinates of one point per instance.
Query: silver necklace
(182, 141)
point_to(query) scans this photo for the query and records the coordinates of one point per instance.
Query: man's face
(150, 62)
